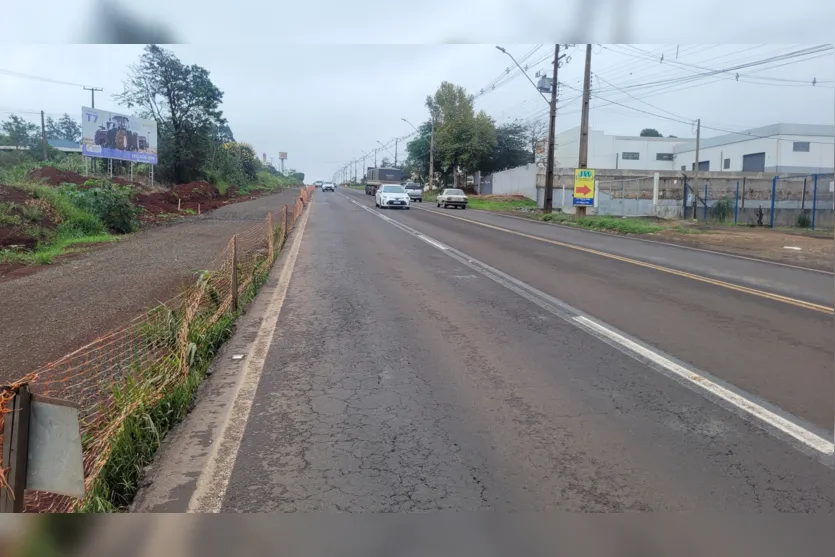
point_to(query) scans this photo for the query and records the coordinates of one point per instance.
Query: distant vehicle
(377, 177)
(414, 190)
(392, 196)
(328, 186)
(452, 198)
(318, 183)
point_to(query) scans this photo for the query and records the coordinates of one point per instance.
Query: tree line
(195, 141)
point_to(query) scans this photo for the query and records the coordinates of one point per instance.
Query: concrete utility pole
(584, 123)
(93, 95)
(432, 155)
(395, 151)
(696, 163)
(43, 136)
(548, 206)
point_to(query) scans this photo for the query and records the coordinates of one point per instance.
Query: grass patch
(681, 229)
(46, 254)
(612, 224)
(497, 205)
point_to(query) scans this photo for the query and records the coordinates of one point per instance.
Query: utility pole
(548, 206)
(584, 123)
(396, 139)
(432, 154)
(696, 164)
(43, 136)
(93, 95)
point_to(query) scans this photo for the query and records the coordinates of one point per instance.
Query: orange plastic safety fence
(131, 368)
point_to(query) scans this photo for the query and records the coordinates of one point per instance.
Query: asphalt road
(401, 378)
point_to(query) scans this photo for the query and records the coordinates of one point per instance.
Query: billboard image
(282, 155)
(110, 135)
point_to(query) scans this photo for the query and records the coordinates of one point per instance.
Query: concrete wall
(520, 180)
(629, 193)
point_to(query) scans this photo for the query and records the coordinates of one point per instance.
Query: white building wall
(606, 151)
(780, 156)
(520, 180)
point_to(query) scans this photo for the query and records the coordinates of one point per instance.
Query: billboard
(110, 135)
(282, 156)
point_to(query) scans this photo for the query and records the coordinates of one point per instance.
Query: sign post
(584, 187)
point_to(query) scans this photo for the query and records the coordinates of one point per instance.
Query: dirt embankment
(24, 220)
(159, 203)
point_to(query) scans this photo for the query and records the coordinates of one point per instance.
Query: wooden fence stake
(235, 272)
(270, 237)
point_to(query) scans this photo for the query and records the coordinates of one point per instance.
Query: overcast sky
(323, 104)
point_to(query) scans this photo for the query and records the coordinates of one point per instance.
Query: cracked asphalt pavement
(401, 380)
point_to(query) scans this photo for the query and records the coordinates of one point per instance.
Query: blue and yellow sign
(584, 187)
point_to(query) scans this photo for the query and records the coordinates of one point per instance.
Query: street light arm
(526, 74)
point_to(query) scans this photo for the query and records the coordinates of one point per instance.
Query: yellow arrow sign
(583, 186)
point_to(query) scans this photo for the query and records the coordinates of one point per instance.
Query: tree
(65, 128)
(417, 151)
(650, 132)
(512, 148)
(537, 133)
(20, 132)
(675, 136)
(462, 138)
(186, 105)
(385, 163)
(245, 157)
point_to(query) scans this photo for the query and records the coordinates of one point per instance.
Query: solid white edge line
(214, 480)
(778, 422)
(749, 407)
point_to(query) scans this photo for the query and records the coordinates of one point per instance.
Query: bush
(804, 219)
(75, 220)
(722, 209)
(109, 202)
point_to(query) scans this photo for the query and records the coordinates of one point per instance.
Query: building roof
(815, 130)
(63, 145)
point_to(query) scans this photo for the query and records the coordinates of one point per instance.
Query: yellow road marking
(721, 283)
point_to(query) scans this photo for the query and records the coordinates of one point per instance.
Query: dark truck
(377, 177)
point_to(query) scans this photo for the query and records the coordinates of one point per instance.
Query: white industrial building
(618, 151)
(778, 149)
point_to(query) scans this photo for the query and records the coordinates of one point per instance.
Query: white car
(453, 198)
(328, 186)
(392, 196)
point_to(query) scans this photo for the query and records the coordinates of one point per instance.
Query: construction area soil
(26, 232)
(67, 305)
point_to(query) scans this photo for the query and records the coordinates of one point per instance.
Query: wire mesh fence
(158, 355)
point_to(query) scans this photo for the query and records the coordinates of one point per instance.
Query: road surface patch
(798, 433)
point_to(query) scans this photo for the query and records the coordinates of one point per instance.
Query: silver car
(414, 190)
(452, 198)
(328, 186)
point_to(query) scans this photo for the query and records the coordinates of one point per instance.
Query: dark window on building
(800, 146)
(663, 156)
(703, 165)
(683, 167)
(630, 156)
(726, 164)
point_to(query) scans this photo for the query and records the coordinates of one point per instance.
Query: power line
(39, 78)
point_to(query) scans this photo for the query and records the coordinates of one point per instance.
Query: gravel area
(48, 314)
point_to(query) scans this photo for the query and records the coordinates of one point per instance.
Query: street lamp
(524, 72)
(411, 124)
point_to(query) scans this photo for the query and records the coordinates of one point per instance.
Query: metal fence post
(705, 202)
(736, 204)
(235, 272)
(773, 198)
(814, 199)
(16, 452)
